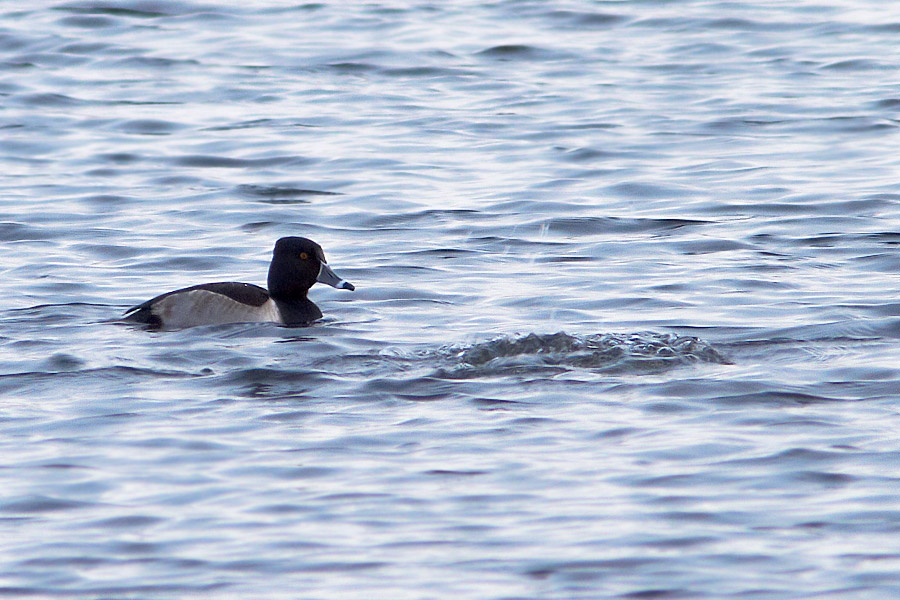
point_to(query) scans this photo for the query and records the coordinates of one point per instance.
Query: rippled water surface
(626, 320)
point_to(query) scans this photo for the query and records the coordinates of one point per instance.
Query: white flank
(202, 307)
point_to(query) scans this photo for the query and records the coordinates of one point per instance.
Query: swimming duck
(297, 263)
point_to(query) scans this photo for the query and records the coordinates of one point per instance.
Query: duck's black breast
(207, 304)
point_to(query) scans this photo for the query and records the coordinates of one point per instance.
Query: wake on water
(643, 352)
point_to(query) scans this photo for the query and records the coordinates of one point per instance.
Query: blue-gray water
(703, 196)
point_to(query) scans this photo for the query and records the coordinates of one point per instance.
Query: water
(626, 320)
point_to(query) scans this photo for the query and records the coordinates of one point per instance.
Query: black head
(297, 263)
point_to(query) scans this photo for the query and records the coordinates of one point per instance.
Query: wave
(642, 352)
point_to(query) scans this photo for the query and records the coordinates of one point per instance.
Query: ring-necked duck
(297, 263)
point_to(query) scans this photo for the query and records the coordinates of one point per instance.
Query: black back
(245, 293)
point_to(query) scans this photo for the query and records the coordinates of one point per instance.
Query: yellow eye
(304, 255)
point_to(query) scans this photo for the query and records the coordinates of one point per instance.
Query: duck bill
(327, 276)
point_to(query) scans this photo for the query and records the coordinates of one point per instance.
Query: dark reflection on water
(702, 196)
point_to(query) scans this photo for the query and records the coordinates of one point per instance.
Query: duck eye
(304, 255)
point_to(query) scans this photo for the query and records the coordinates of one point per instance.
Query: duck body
(297, 264)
